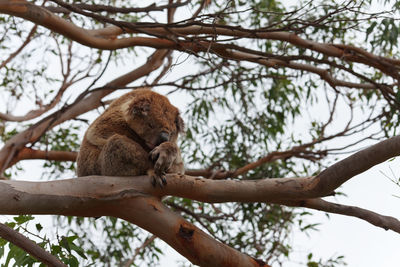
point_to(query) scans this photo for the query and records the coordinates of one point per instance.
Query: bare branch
(32, 114)
(88, 196)
(122, 10)
(90, 38)
(138, 249)
(382, 221)
(215, 191)
(331, 178)
(23, 45)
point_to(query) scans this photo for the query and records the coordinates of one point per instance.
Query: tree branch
(125, 198)
(29, 246)
(214, 191)
(137, 201)
(138, 249)
(332, 177)
(45, 18)
(29, 153)
(382, 221)
(122, 10)
(25, 43)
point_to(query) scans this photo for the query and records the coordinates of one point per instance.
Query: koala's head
(153, 118)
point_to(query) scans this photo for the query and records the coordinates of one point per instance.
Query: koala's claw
(154, 154)
(159, 179)
(153, 181)
(163, 179)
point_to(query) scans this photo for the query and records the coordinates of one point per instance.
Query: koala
(136, 135)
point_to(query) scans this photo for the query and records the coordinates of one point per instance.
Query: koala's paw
(163, 157)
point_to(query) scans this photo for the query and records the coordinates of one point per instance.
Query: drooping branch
(29, 246)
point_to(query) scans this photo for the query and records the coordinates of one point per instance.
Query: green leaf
(39, 227)
(312, 264)
(65, 244)
(23, 219)
(370, 29)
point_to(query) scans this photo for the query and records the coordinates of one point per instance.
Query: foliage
(64, 247)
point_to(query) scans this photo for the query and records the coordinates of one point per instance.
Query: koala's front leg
(164, 157)
(121, 156)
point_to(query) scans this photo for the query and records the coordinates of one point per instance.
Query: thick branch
(122, 197)
(29, 246)
(287, 188)
(331, 178)
(191, 242)
(129, 198)
(67, 196)
(323, 184)
(45, 18)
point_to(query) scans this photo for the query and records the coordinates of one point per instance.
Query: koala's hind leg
(122, 156)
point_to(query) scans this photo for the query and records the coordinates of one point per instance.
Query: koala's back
(87, 163)
(107, 124)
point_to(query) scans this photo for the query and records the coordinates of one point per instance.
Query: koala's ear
(180, 125)
(140, 107)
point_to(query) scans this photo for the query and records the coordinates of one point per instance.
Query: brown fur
(110, 148)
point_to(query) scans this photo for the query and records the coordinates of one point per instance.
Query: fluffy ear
(180, 125)
(139, 107)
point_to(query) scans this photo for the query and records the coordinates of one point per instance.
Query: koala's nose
(164, 137)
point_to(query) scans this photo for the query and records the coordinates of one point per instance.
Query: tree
(273, 95)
